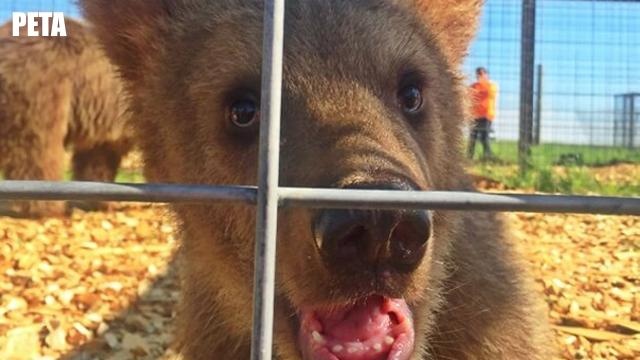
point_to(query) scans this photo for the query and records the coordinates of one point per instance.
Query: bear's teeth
(337, 348)
(388, 340)
(317, 337)
(377, 347)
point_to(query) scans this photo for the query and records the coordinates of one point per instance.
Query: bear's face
(370, 100)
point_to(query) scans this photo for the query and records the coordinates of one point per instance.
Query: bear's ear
(131, 31)
(452, 22)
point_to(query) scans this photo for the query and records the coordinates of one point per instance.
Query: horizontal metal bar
(320, 198)
(455, 200)
(99, 191)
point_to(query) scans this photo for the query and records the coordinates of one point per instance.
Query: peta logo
(39, 23)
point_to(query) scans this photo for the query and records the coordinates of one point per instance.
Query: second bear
(59, 93)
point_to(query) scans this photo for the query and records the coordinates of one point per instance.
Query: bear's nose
(366, 238)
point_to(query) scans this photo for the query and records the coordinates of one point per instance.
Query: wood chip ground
(103, 285)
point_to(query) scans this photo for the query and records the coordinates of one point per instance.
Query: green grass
(547, 173)
(123, 176)
(558, 179)
(558, 168)
(546, 155)
(129, 176)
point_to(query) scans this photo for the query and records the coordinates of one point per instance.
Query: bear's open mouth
(375, 328)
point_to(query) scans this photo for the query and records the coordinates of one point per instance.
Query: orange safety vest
(483, 96)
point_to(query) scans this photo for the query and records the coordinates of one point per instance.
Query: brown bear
(55, 93)
(372, 98)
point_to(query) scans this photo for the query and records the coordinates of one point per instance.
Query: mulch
(103, 285)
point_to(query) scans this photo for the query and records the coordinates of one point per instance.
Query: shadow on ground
(141, 331)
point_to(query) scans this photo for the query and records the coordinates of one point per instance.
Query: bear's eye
(244, 114)
(410, 99)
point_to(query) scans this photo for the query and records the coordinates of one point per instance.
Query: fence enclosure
(560, 111)
(626, 126)
(585, 53)
(581, 57)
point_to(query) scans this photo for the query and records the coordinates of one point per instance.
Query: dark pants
(480, 130)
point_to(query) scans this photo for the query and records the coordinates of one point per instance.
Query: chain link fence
(571, 98)
(585, 82)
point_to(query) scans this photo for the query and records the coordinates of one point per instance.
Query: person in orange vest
(484, 93)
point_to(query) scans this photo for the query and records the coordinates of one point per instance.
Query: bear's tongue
(375, 329)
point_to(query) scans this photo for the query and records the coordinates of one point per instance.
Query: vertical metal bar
(537, 126)
(632, 122)
(626, 117)
(628, 101)
(526, 81)
(267, 211)
(616, 119)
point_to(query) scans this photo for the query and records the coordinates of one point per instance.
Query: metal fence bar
(319, 198)
(452, 200)
(269, 166)
(101, 191)
(527, 57)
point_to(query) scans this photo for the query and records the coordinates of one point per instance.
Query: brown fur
(57, 93)
(183, 60)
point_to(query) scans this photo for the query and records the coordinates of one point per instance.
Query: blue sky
(7, 6)
(590, 51)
